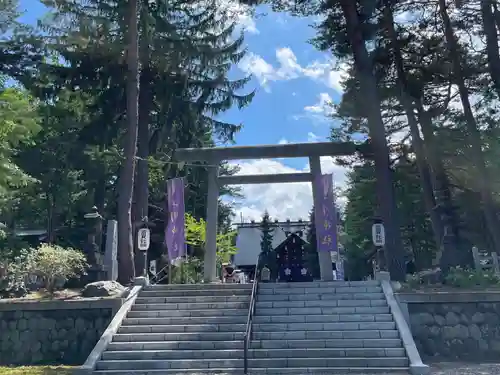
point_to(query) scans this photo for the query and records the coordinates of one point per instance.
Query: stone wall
(454, 326)
(52, 332)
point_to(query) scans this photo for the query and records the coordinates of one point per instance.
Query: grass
(36, 370)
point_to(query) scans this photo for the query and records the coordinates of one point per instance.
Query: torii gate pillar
(210, 271)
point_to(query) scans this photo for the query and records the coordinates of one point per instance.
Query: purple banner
(325, 214)
(174, 231)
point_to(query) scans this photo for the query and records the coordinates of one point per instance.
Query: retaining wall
(461, 326)
(52, 332)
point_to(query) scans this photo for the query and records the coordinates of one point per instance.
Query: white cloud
(289, 68)
(323, 106)
(282, 201)
(283, 141)
(311, 137)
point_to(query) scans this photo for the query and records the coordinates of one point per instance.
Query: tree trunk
(126, 182)
(409, 108)
(385, 190)
(490, 30)
(449, 254)
(497, 14)
(141, 190)
(474, 134)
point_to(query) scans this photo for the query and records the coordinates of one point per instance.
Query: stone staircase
(181, 329)
(325, 327)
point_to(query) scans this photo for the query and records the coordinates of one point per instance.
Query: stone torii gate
(214, 156)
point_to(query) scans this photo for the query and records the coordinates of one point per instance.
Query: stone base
(420, 370)
(141, 281)
(382, 276)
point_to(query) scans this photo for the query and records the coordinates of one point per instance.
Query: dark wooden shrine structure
(291, 261)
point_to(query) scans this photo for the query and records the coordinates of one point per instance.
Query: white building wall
(249, 236)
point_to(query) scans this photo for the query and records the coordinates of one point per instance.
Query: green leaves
(19, 122)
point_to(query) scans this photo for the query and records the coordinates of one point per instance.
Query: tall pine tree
(311, 251)
(266, 244)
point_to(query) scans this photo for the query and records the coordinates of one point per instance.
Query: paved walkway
(445, 369)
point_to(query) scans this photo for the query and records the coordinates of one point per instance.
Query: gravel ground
(465, 369)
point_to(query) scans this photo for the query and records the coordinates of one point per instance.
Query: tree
(311, 253)
(266, 244)
(195, 237)
(19, 123)
(127, 174)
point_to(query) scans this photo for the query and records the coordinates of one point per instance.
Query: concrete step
(269, 371)
(319, 284)
(322, 318)
(195, 292)
(326, 335)
(315, 292)
(179, 345)
(336, 326)
(155, 313)
(237, 319)
(334, 343)
(130, 355)
(266, 311)
(188, 328)
(322, 303)
(187, 336)
(190, 306)
(328, 295)
(209, 287)
(328, 371)
(192, 299)
(312, 291)
(266, 363)
(255, 344)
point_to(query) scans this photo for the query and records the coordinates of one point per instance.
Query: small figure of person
(265, 274)
(228, 273)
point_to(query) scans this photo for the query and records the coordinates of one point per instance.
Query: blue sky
(293, 82)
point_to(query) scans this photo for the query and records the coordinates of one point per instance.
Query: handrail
(251, 310)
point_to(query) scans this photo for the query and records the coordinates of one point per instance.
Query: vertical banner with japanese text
(174, 231)
(325, 215)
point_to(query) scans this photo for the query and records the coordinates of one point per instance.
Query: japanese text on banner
(174, 231)
(325, 214)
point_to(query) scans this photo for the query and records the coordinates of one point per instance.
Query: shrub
(13, 274)
(467, 278)
(189, 272)
(54, 263)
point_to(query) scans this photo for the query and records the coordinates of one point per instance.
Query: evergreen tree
(266, 244)
(311, 250)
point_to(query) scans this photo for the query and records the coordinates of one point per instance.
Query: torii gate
(214, 156)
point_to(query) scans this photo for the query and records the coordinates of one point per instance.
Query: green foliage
(266, 239)
(189, 272)
(55, 264)
(268, 256)
(195, 236)
(14, 271)
(311, 249)
(19, 122)
(467, 278)
(361, 210)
